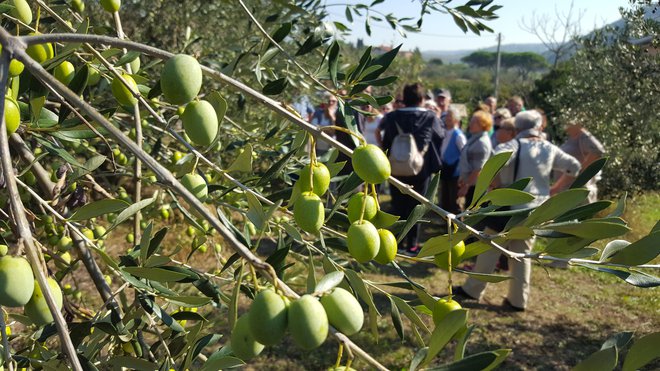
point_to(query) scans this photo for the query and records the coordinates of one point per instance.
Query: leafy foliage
(609, 86)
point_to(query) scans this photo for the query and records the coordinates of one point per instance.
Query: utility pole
(497, 66)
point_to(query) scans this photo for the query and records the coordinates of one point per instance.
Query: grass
(571, 313)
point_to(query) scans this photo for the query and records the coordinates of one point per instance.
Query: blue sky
(440, 33)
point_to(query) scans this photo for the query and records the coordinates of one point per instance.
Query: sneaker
(458, 292)
(506, 305)
(413, 250)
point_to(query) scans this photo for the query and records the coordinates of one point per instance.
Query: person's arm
(562, 183)
(568, 165)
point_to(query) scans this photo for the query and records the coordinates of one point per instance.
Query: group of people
(460, 156)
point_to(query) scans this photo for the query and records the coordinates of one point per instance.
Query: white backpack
(405, 158)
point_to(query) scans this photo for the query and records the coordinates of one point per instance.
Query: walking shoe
(458, 292)
(506, 304)
(413, 250)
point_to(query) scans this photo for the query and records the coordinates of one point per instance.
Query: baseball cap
(444, 93)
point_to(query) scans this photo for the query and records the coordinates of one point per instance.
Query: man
(582, 145)
(443, 99)
(515, 104)
(491, 102)
(532, 157)
(325, 115)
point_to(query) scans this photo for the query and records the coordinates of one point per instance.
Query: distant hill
(454, 56)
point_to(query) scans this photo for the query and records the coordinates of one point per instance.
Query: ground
(571, 313)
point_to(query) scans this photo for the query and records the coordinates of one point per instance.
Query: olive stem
(5, 341)
(364, 201)
(344, 130)
(340, 353)
(373, 193)
(450, 233)
(312, 161)
(255, 280)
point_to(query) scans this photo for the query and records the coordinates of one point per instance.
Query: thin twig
(22, 225)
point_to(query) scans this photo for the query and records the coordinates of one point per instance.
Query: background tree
(612, 83)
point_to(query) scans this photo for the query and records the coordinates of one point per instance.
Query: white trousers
(521, 272)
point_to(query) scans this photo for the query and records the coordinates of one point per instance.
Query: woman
(423, 124)
(372, 125)
(476, 152)
(532, 157)
(450, 153)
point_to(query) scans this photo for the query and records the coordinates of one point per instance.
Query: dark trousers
(449, 195)
(403, 205)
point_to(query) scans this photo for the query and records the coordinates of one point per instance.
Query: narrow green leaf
(333, 61)
(187, 301)
(98, 208)
(275, 87)
(145, 240)
(584, 212)
(588, 173)
(425, 298)
(155, 274)
(151, 307)
(492, 278)
(219, 103)
(556, 205)
(60, 152)
(396, 318)
(243, 162)
(417, 213)
(589, 229)
(643, 351)
(633, 277)
(619, 340)
(439, 244)
(384, 60)
(275, 169)
(604, 359)
(444, 331)
(255, 211)
(506, 197)
(131, 210)
(409, 312)
(221, 363)
(329, 281)
(383, 219)
(487, 174)
(358, 285)
(566, 246)
(418, 358)
(459, 353)
(612, 248)
(474, 249)
(282, 32)
(479, 361)
(639, 252)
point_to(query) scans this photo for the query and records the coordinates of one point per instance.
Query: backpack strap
(517, 162)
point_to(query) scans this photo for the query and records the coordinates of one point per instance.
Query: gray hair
(455, 113)
(504, 113)
(528, 120)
